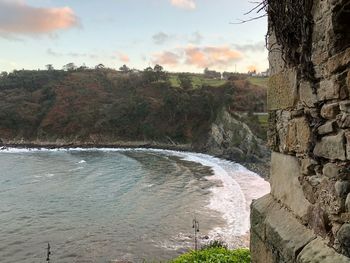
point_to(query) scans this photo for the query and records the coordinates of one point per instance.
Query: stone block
(306, 94)
(328, 89)
(259, 251)
(343, 236)
(285, 234)
(343, 120)
(330, 111)
(326, 128)
(345, 106)
(276, 62)
(308, 166)
(338, 61)
(342, 188)
(282, 90)
(347, 203)
(298, 136)
(285, 171)
(331, 170)
(318, 252)
(331, 147)
(347, 136)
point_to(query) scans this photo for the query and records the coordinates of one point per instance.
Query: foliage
(214, 244)
(221, 255)
(105, 105)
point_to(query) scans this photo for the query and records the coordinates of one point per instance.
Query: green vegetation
(259, 81)
(217, 254)
(103, 105)
(198, 80)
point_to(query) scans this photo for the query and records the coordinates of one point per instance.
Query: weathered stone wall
(306, 217)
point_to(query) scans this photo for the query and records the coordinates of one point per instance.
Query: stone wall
(306, 217)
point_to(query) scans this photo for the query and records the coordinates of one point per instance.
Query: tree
(3, 74)
(100, 66)
(69, 67)
(160, 74)
(49, 67)
(124, 69)
(185, 81)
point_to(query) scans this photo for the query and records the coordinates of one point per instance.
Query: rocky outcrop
(232, 139)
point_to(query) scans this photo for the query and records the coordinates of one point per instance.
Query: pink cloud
(185, 4)
(16, 17)
(166, 58)
(123, 58)
(211, 56)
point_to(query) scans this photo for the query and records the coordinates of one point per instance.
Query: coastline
(261, 168)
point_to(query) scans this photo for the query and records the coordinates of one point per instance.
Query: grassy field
(259, 81)
(197, 81)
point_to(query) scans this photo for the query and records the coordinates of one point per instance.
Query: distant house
(212, 74)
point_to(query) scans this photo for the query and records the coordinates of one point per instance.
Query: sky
(180, 35)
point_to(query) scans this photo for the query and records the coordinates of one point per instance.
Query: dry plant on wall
(291, 22)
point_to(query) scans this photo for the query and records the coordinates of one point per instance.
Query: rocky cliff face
(232, 139)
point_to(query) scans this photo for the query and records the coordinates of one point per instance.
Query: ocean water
(104, 205)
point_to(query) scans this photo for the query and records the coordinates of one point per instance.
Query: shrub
(214, 244)
(221, 255)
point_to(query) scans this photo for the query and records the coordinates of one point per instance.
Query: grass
(197, 81)
(216, 254)
(259, 81)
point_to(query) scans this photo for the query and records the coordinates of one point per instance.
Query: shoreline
(260, 168)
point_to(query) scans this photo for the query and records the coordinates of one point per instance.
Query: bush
(221, 255)
(214, 244)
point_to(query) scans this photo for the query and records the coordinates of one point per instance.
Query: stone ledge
(280, 231)
(277, 236)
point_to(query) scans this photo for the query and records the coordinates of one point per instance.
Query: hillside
(103, 106)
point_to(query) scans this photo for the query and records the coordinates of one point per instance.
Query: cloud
(166, 58)
(254, 47)
(211, 56)
(18, 18)
(160, 38)
(185, 4)
(70, 54)
(198, 56)
(123, 58)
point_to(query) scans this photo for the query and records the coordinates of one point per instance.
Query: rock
(345, 106)
(285, 185)
(282, 91)
(298, 135)
(331, 170)
(232, 139)
(307, 95)
(330, 111)
(308, 166)
(326, 128)
(342, 188)
(328, 90)
(347, 136)
(318, 220)
(347, 203)
(343, 120)
(331, 147)
(338, 61)
(317, 251)
(343, 236)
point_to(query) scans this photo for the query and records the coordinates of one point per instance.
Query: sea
(110, 205)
